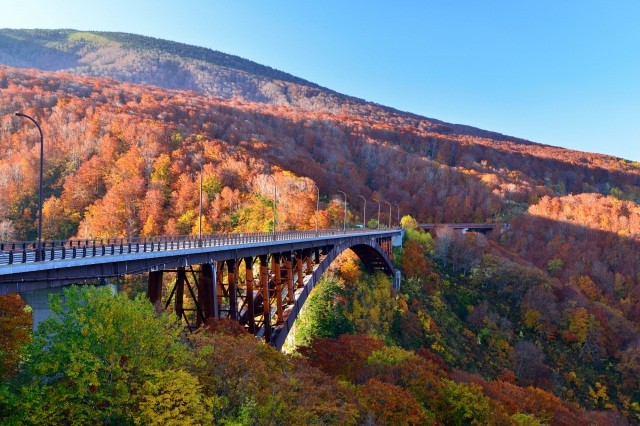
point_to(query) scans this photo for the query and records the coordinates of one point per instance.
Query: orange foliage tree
(15, 331)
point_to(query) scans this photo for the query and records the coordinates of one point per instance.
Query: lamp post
(378, 201)
(364, 212)
(200, 207)
(344, 222)
(386, 202)
(39, 253)
(275, 201)
(317, 205)
(398, 206)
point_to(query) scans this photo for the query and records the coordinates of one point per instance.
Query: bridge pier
(277, 277)
(232, 285)
(308, 261)
(266, 301)
(288, 264)
(38, 300)
(396, 240)
(299, 283)
(206, 291)
(249, 298)
(179, 293)
(154, 290)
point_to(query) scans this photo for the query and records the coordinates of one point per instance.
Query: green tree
(419, 236)
(323, 314)
(370, 306)
(101, 358)
(465, 404)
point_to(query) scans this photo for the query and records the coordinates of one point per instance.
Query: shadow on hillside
(26, 54)
(571, 169)
(401, 167)
(569, 251)
(338, 158)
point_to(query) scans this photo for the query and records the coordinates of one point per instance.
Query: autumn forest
(537, 322)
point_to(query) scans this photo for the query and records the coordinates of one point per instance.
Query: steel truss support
(387, 246)
(300, 282)
(264, 287)
(277, 279)
(306, 253)
(232, 284)
(195, 292)
(250, 302)
(288, 265)
(261, 297)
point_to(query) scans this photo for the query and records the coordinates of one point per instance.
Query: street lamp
(275, 200)
(398, 206)
(344, 223)
(39, 254)
(364, 212)
(378, 201)
(386, 202)
(317, 204)
(200, 207)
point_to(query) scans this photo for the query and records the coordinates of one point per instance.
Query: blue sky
(563, 73)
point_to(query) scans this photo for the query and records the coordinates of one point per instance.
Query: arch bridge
(260, 280)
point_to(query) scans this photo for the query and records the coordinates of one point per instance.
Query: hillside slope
(146, 60)
(433, 175)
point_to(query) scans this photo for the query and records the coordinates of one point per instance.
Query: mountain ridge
(288, 89)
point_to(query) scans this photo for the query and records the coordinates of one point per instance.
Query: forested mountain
(130, 122)
(113, 136)
(146, 60)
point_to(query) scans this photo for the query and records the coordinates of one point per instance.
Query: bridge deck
(65, 262)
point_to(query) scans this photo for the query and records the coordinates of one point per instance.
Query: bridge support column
(232, 288)
(275, 258)
(308, 260)
(38, 300)
(249, 301)
(264, 284)
(179, 296)
(289, 268)
(300, 283)
(219, 287)
(316, 256)
(154, 290)
(206, 291)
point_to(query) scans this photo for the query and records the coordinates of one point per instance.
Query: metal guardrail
(27, 252)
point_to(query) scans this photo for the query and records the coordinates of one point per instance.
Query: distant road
(477, 227)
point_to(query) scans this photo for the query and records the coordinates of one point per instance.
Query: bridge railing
(27, 251)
